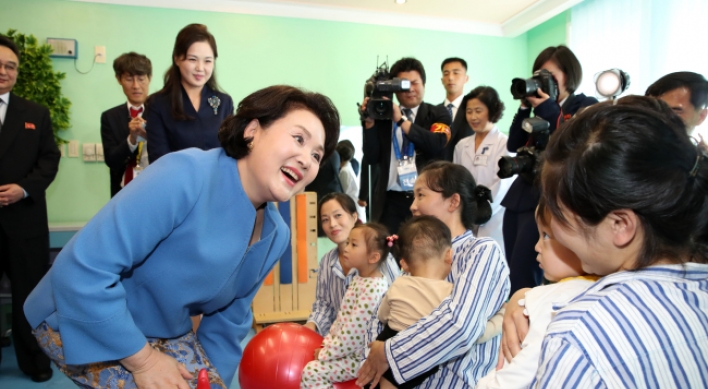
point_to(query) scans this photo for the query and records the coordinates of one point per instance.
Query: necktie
(1, 103)
(409, 114)
(134, 112)
(449, 109)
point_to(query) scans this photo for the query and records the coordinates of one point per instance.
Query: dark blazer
(114, 134)
(166, 134)
(29, 157)
(429, 146)
(327, 180)
(460, 129)
(523, 196)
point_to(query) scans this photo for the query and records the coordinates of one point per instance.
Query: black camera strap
(564, 108)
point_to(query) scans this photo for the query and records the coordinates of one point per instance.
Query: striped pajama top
(646, 328)
(446, 337)
(332, 284)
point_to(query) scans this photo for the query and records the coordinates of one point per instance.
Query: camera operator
(686, 93)
(421, 132)
(519, 227)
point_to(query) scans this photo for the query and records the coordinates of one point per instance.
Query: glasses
(9, 67)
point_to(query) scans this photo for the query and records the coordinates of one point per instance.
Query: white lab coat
(350, 185)
(483, 164)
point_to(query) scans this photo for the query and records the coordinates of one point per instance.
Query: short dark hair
(132, 64)
(375, 235)
(566, 61)
(421, 238)
(490, 98)
(345, 149)
(448, 178)
(451, 60)
(630, 156)
(10, 44)
(270, 104)
(694, 82)
(408, 64)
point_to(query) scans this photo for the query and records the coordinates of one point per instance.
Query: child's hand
(317, 353)
(515, 327)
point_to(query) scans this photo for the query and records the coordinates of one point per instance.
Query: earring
(250, 145)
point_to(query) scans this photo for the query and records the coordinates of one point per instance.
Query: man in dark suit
(29, 160)
(421, 131)
(454, 78)
(122, 127)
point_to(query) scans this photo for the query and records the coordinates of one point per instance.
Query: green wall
(551, 33)
(333, 58)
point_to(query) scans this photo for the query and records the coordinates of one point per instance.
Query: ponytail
(699, 176)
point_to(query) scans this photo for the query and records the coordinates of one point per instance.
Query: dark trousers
(520, 238)
(25, 261)
(397, 209)
(388, 333)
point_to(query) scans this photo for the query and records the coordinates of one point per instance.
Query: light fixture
(400, 1)
(611, 83)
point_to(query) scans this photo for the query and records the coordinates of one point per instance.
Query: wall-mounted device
(63, 48)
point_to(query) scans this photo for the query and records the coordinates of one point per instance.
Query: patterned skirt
(112, 375)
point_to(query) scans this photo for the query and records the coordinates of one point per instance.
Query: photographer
(421, 132)
(520, 232)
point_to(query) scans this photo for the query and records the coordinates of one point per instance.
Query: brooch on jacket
(214, 102)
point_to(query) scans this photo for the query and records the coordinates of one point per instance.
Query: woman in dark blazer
(519, 226)
(189, 109)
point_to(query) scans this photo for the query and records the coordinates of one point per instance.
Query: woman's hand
(154, 370)
(514, 328)
(375, 365)
(536, 101)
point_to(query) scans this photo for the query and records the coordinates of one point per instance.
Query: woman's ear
(454, 202)
(624, 226)
(251, 129)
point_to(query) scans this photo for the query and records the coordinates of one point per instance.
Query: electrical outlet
(99, 152)
(100, 54)
(89, 152)
(73, 149)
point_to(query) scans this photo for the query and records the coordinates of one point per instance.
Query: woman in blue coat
(196, 233)
(189, 109)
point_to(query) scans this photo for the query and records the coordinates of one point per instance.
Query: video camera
(526, 161)
(542, 79)
(379, 88)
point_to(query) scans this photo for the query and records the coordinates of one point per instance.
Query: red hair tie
(391, 239)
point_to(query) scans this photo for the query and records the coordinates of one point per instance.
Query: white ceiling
(507, 18)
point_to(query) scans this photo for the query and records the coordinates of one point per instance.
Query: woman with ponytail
(449, 336)
(628, 193)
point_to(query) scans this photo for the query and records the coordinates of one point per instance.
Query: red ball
(346, 385)
(275, 357)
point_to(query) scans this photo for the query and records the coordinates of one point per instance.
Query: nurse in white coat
(480, 153)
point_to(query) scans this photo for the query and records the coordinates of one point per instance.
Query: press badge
(407, 173)
(480, 160)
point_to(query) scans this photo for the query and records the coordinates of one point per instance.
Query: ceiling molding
(520, 23)
(535, 15)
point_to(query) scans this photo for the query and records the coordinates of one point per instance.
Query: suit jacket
(429, 147)
(114, 134)
(459, 130)
(29, 157)
(327, 180)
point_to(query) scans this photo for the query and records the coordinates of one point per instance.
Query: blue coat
(166, 134)
(172, 244)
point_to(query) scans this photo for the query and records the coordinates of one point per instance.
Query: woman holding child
(480, 278)
(627, 191)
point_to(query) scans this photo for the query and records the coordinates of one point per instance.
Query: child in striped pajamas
(560, 266)
(338, 215)
(343, 348)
